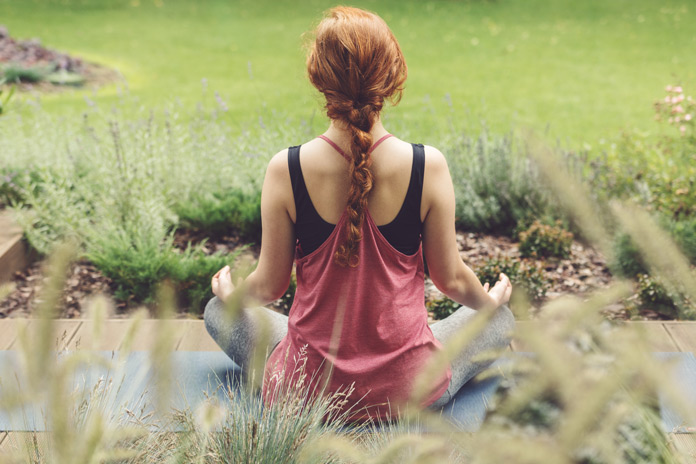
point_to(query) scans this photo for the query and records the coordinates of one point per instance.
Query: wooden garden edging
(14, 255)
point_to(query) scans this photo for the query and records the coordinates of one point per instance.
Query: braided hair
(356, 62)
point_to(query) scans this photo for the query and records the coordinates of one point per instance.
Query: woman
(357, 209)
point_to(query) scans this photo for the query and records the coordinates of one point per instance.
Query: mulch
(583, 272)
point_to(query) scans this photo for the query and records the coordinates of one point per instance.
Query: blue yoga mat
(201, 374)
(684, 378)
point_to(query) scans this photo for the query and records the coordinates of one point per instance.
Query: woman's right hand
(500, 292)
(221, 284)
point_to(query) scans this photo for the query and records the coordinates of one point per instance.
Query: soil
(584, 271)
(31, 54)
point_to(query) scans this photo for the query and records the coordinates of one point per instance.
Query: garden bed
(33, 67)
(583, 271)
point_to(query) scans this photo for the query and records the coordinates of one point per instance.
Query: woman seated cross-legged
(356, 210)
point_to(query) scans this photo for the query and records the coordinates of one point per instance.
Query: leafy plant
(496, 184)
(670, 302)
(16, 73)
(684, 233)
(221, 212)
(442, 307)
(138, 267)
(525, 274)
(542, 240)
(627, 260)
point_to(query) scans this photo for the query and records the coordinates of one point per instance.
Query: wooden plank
(115, 330)
(655, 331)
(2, 437)
(684, 334)
(657, 336)
(147, 332)
(111, 337)
(63, 332)
(8, 331)
(197, 338)
(685, 444)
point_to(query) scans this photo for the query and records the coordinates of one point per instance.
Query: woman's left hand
(222, 284)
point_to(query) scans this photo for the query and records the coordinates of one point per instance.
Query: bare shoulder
(435, 161)
(278, 165)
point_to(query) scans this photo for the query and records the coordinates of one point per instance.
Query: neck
(339, 133)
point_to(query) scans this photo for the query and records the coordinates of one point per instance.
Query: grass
(586, 70)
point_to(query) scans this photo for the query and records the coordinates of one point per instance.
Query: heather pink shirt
(382, 339)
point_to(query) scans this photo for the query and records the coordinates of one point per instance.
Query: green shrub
(684, 233)
(223, 212)
(496, 184)
(526, 277)
(9, 191)
(442, 307)
(191, 273)
(656, 171)
(542, 240)
(524, 274)
(17, 73)
(138, 264)
(627, 260)
(669, 302)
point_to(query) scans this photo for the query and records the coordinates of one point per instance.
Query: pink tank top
(367, 323)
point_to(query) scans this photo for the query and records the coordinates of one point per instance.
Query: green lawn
(586, 69)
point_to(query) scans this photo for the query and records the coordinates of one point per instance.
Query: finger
(485, 286)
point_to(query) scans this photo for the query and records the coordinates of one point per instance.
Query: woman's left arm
(271, 277)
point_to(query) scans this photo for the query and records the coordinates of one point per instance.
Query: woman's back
(328, 179)
(367, 321)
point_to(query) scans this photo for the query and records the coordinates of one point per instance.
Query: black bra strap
(417, 174)
(299, 188)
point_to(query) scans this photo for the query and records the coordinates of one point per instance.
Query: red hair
(356, 62)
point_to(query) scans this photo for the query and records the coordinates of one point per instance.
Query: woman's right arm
(447, 270)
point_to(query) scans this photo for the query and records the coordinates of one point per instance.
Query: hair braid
(356, 62)
(359, 123)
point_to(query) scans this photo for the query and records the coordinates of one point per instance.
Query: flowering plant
(678, 110)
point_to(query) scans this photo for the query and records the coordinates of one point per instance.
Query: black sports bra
(403, 233)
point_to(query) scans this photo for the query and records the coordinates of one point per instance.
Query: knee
(212, 314)
(505, 320)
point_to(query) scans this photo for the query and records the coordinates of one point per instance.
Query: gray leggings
(238, 339)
